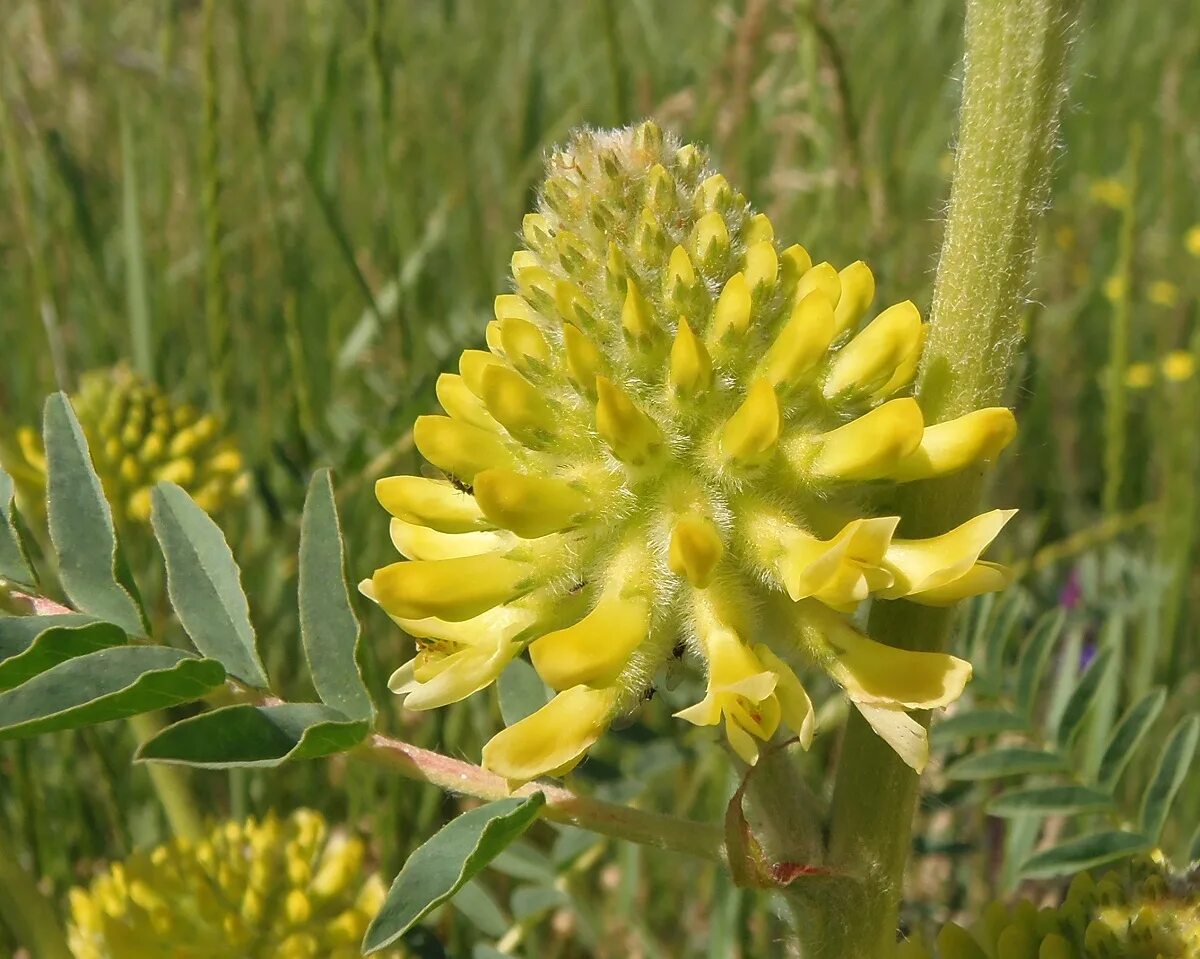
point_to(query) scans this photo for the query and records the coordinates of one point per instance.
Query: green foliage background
(298, 214)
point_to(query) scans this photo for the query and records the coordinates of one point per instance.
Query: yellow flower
(275, 889)
(1141, 911)
(1115, 288)
(1138, 376)
(669, 447)
(1191, 240)
(1163, 293)
(1110, 192)
(138, 437)
(1178, 366)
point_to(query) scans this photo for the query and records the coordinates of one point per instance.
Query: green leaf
(1193, 852)
(256, 736)
(1173, 768)
(1032, 662)
(521, 692)
(205, 584)
(455, 854)
(1083, 852)
(1046, 800)
(1128, 735)
(32, 644)
(479, 906)
(106, 685)
(1082, 698)
(328, 626)
(81, 527)
(1006, 761)
(979, 722)
(14, 563)
(1012, 606)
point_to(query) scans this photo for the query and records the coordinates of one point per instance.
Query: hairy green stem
(1013, 86)
(170, 784)
(28, 914)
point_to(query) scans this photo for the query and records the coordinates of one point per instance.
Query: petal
(762, 265)
(496, 626)
(922, 565)
(752, 432)
(801, 344)
(584, 361)
(695, 550)
(822, 277)
(630, 434)
(980, 578)
(421, 542)
(900, 731)
(522, 342)
(517, 405)
(691, 366)
(460, 403)
(873, 357)
(731, 316)
(457, 676)
(459, 448)
(857, 285)
(956, 444)
(530, 506)
(434, 503)
(794, 702)
(451, 589)
(872, 672)
(636, 317)
(553, 738)
(596, 649)
(472, 364)
(707, 712)
(869, 447)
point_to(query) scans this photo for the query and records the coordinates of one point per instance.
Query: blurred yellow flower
(1065, 237)
(1191, 240)
(1115, 288)
(1163, 293)
(669, 447)
(1138, 376)
(1110, 192)
(1178, 365)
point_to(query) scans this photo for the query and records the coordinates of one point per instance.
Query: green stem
(29, 914)
(1014, 66)
(170, 784)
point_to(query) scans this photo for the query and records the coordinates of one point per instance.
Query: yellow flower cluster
(1178, 366)
(275, 889)
(674, 444)
(138, 437)
(1140, 912)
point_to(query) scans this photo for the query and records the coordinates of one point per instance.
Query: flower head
(675, 442)
(279, 888)
(138, 437)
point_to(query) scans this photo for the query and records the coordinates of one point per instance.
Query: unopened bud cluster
(138, 437)
(1142, 911)
(275, 889)
(673, 445)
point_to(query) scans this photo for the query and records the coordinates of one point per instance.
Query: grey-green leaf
(976, 722)
(255, 736)
(1082, 698)
(1173, 768)
(1084, 852)
(455, 854)
(14, 564)
(1006, 761)
(205, 584)
(1034, 654)
(1130, 731)
(81, 527)
(30, 645)
(521, 692)
(1048, 800)
(106, 685)
(328, 626)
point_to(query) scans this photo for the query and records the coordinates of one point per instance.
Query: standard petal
(422, 542)
(595, 650)
(952, 446)
(451, 589)
(924, 565)
(900, 731)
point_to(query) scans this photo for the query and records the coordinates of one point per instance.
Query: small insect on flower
(690, 419)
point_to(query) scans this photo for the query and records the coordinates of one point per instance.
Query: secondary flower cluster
(1138, 912)
(275, 889)
(138, 437)
(673, 445)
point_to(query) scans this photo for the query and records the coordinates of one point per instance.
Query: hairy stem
(1013, 86)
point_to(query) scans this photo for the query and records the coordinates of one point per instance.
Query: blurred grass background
(297, 214)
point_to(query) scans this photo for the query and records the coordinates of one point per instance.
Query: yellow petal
(857, 286)
(530, 506)
(523, 343)
(873, 357)
(509, 304)
(794, 262)
(840, 571)
(751, 434)
(421, 542)
(584, 361)
(801, 344)
(554, 738)
(731, 317)
(534, 281)
(900, 731)
(460, 403)
(517, 405)
(822, 278)
(1178, 366)
(636, 317)
(572, 304)
(459, 448)
(980, 578)
(596, 649)
(536, 230)
(923, 565)
(630, 434)
(691, 367)
(884, 675)
(794, 703)
(762, 265)
(715, 192)
(956, 444)
(696, 549)
(759, 229)
(450, 589)
(472, 364)
(871, 446)
(432, 503)
(710, 237)
(681, 275)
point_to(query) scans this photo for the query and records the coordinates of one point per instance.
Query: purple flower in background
(1071, 594)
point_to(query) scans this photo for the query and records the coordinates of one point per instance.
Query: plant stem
(703, 840)
(28, 913)
(170, 784)
(1014, 65)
